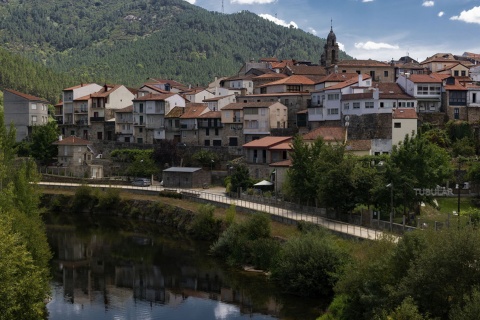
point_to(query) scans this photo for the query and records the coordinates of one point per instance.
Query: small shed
(186, 177)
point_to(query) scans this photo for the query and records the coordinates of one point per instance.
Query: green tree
(310, 265)
(41, 142)
(240, 178)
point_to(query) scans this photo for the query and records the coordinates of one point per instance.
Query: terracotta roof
(176, 112)
(425, 78)
(292, 80)
(404, 113)
(126, 109)
(78, 86)
(193, 112)
(266, 142)
(59, 104)
(346, 83)
(241, 105)
(327, 133)
(282, 64)
(155, 88)
(282, 146)
(304, 70)
(87, 97)
(211, 115)
(105, 93)
(26, 96)
(358, 145)
(154, 97)
(270, 76)
(73, 141)
(387, 90)
(337, 77)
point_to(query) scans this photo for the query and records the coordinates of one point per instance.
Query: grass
(444, 212)
(279, 230)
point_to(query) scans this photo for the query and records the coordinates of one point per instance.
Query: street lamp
(390, 185)
(274, 175)
(211, 164)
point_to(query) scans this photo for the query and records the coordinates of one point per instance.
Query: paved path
(218, 195)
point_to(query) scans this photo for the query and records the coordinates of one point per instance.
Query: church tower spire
(330, 49)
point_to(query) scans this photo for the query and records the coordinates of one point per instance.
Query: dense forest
(121, 41)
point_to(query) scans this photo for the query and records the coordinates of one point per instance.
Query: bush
(248, 243)
(170, 194)
(230, 214)
(109, 200)
(309, 265)
(204, 226)
(84, 199)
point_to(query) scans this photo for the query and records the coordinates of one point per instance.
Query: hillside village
(368, 105)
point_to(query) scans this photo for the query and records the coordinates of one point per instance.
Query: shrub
(204, 226)
(248, 243)
(109, 200)
(309, 265)
(230, 214)
(84, 199)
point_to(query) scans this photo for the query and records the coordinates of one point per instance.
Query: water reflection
(111, 275)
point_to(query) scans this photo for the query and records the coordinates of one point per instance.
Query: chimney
(60, 138)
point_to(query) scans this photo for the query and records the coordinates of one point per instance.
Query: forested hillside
(126, 41)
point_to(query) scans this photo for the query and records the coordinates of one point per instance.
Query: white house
(404, 122)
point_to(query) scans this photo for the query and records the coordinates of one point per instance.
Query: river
(99, 272)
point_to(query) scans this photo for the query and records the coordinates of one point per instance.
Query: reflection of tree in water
(163, 269)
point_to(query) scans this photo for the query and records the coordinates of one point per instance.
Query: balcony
(80, 110)
(210, 124)
(188, 126)
(81, 122)
(97, 119)
(237, 119)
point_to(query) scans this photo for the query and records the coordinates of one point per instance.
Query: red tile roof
(176, 112)
(211, 115)
(346, 83)
(105, 92)
(282, 146)
(362, 63)
(328, 134)
(404, 113)
(337, 77)
(126, 109)
(307, 70)
(292, 80)
(26, 96)
(193, 112)
(425, 78)
(266, 142)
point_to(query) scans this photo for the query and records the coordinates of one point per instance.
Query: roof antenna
(331, 24)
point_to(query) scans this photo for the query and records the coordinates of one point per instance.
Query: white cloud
(191, 1)
(428, 3)
(312, 31)
(370, 45)
(469, 16)
(341, 46)
(441, 13)
(278, 21)
(252, 1)
(367, 0)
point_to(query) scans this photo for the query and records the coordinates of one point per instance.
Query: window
(333, 96)
(34, 106)
(99, 135)
(422, 90)
(464, 73)
(346, 106)
(356, 105)
(139, 140)
(216, 131)
(207, 131)
(262, 111)
(207, 143)
(34, 118)
(474, 97)
(332, 111)
(358, 71)
(397, 125)
(293, 88)
(233, 141)
(369, 105)
(455, 73)
(382, 105)
(385, 74)
(140, 108)
(250, 111)
(456, 113)
(217, 143)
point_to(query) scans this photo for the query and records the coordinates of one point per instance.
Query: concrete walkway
(217, 195)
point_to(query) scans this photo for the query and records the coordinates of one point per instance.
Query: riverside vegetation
(425, 275)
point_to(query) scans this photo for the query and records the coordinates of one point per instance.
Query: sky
(374, 29)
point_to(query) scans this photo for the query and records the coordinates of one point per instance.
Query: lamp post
(211, 164)
(274, 176)
(390, 185)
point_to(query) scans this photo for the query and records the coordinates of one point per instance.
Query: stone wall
(370, 126)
